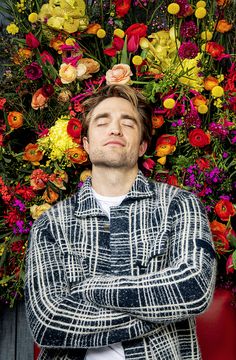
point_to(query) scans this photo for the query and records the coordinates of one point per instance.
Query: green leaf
(234, 259)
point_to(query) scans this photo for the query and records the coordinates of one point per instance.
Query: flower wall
(56, 53)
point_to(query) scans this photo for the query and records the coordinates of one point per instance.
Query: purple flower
(33, 71)
(188, 50)
(20, 205)
(188, 29)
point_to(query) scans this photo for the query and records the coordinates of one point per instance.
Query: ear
(142, 148)
(86, 144)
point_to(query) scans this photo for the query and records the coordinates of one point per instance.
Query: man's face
(114, 135)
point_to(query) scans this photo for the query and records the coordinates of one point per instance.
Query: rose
(89, 66)
(119, 74)
(15, 119)
(31, 41)
(46, 57)
(33, 154)
(198, 138)
(224, 209)
(38, 210)
(39, 101)
(122, 7)
(214, 49)
(33, 71)
(137, 29)
(74, 128)
(67, 73)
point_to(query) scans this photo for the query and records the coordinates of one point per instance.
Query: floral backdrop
(56, 53)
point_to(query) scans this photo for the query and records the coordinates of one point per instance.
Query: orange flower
(216, 227)
(223, 26)
(164, 149)
(221, 243)
(39, 101)
(22, 55)
(224, 209)
(56, 44)
(50, 196)
(59, 178)
(157, 121)
(15, 119)
(199, 100)
(222, 3)
(38, 179)
(166, 139)
(77, 155)
(93, 28)
(33, 154)
(209, 82)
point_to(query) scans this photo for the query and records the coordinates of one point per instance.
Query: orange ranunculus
(164, 149)
(214, 49)
(50, 196)
(223, 26)
(162, 160)
(199, 100)
(166, 139)
(222, 3)
(122, 7)
(33, 154)
(56, 44)
(93, 28)
(157, 121)
(209, 82)
(221, 243)
(77, 155)
(224, 209)
(15, 119)
(216, 226)
(22, 55)
(198, 138)
(39, 101)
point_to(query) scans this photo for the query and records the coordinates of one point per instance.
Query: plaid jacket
(139, 279)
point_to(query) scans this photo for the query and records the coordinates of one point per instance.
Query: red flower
(166, 139)
(110, 51)
(149, 164)
(224, 209)
(203, 163)
(118, 43)
(172, 180)
(31, 41)
(133, 43)
(137, 29)
(74, 128)
(214, 49)
(198, 138)
(2, 102)
(230, 265)
(122, 7)
(221, 243)
(46, 57)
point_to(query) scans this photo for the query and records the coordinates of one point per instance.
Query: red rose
(137, 29)
(31, 41)
(74, 128)
(198, 138)
(214, 49)
(224, 209)
(122, 7)
(166, 139)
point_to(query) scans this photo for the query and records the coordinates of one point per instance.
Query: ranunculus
(198, 138)
(137, 29)
(217, 227)
(122, 7)
(224, 209)
(49, 195)
(119, 74)
(39, 101)
(198, 100)
(166, 139)
(157, 121)
(15, 119)
(223, 26)
(46, 57)
(164, 149)
(31, 41)
(221, 243)
(214, 49)
(58, 178)
(33, 71)
(77, 155)
(38, 179)
(38, 210)
(67, 73)
(209, 82)
(74, 128)
(33, 154)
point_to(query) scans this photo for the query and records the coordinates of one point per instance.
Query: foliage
(58, 52)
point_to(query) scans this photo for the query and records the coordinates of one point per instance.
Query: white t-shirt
(113, 351)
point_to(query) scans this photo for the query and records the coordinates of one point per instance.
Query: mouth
(114, 143)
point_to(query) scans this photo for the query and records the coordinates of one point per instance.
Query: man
(120, 269)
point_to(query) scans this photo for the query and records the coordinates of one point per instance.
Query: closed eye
(128, 122)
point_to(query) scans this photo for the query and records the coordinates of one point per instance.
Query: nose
(115, 129)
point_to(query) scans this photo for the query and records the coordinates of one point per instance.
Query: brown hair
(125, 92)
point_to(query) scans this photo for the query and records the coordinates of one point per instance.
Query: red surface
(216, 329)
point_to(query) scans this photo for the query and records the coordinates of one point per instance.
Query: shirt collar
(86, 204)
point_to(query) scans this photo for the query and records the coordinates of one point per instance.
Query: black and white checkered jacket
(140, 278)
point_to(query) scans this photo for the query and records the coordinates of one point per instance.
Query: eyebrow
(123, 116)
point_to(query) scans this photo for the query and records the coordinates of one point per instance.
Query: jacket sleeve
(55, 316)
(183, 288)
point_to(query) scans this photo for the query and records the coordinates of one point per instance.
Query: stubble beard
(112, 160)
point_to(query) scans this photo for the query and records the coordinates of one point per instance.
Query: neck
(113, 182)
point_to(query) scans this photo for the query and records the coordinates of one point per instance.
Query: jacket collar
(86, 204)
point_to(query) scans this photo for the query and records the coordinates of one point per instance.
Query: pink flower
(33, 71)
(2, 103)
(229, 265)
(31, 41)
(119, 74)
(149, 164)
(133, 43)
(188, 50)
(46, 57)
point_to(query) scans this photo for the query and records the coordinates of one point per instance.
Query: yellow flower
(217, 91)
(120, 33)
(38, 210)
(218, 103)
(137, 60)
(200, 13)
(206, 35)
(85, 174)
(173, 8)
(202, 109)
(201, 4)
(70, 41)
(33, 17)
(162, 160)
(2, 247)
(190, 69)
(67, 73)
(12, 29)
(169, 103)
(101, 33)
